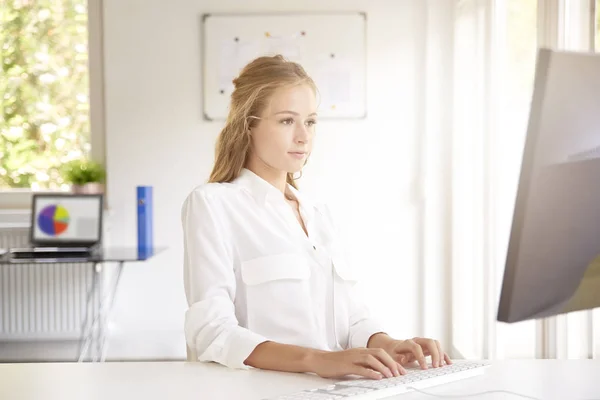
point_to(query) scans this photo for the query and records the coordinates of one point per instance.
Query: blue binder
(145, 230)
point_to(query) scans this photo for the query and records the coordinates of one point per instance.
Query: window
(597, 41)
(519, 46)
(495, 48)
(44, 86)
(495, 51)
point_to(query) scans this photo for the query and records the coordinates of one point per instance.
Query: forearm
(379, 340)
(282, 357)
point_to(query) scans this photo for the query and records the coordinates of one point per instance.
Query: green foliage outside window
(44, 91)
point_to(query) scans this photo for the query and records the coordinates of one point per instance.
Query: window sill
(15, 200)
(15, 206)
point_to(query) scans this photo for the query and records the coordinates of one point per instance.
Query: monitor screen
(553, 257)
(65, 219)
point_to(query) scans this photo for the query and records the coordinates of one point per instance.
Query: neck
(275, 177)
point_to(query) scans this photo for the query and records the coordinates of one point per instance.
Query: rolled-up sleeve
(211, 327)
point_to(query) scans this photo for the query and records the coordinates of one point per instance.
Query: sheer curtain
(495, 48)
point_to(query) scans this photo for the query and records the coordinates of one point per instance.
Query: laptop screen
(63, 219)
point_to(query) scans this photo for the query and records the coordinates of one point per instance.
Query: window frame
(595, 27)
(14, 202)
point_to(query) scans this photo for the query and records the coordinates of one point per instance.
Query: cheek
(271, 142)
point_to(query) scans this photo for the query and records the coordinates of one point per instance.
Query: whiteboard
(330, 46)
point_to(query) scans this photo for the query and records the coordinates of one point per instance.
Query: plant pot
(88, 188)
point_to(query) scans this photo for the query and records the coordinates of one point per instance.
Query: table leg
(99, 321)
(95, 337)
(87, 331)
(103, 348)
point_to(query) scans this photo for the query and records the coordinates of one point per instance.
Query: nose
(303, 133)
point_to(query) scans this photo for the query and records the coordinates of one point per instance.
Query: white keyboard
(370, 389)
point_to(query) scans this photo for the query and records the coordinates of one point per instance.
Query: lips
(297, 154)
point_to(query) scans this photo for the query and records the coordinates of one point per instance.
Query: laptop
(63, 226)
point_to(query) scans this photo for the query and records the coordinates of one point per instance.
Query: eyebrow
(293, 113)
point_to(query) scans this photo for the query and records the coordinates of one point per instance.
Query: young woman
(265, 278)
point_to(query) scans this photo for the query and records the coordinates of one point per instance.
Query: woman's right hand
(370, 363)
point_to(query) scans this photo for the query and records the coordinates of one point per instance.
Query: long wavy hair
(253, 89)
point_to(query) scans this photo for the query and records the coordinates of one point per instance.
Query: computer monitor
(66, 220)
(553, 257)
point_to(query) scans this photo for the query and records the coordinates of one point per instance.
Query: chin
(294, 169)
(293, 166)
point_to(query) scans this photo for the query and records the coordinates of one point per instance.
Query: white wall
(155, 136)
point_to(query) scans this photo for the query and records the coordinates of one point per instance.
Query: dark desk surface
(103, 254)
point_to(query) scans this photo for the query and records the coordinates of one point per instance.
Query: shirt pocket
(278, 296)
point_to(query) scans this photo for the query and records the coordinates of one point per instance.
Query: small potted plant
(85, 176)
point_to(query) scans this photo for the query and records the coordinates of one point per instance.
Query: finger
(373, 362)
(405, 359)
(366, 372)
(401, 369)
(387, 360)
(432, 348)
(440, 352)
(447, 359)
(417, 352)
(436, 358)
(429, 347)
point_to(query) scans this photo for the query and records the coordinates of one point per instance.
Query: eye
(311, 122)
(287, 121)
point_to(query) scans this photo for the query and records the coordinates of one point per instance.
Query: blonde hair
(253, 89)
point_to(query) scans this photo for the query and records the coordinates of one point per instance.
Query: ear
(247, 127)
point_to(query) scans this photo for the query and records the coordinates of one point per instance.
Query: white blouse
(252, 274)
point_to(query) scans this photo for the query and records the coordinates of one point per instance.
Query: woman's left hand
(416, 349)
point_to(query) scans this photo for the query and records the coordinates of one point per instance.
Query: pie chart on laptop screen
(53, 220)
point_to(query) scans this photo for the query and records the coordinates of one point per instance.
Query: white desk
(547, 379)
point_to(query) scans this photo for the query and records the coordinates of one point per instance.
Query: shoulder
(208, 190)
(214, 191)
(211, 195)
